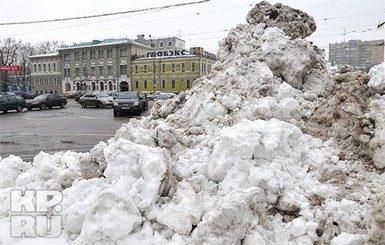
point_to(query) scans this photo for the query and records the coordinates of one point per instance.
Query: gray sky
(199, 25)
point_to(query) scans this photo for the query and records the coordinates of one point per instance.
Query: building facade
(46, 76)
(170, 71)
(161, 43)
(99, 65)
(359, 54)
(120, 65)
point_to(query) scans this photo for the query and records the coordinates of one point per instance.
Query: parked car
(11, 102)
(25, 95)
(113, 94)
(166, 96)
(45, 101)
(154, 95)
(129, 102)
(97, 99)
(79, 94)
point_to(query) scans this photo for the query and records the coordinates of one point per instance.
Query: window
(77, 72)
(35, 67)
(101, 70)
(152, 45)
(93, 71)
(44, 67)
(163, 67)
(183, 67)
(188, 84)
(92, 55)
(160, 45)
(49, 67)
(136, 68)
(173, 67)
(123, 70)
(145, 68)
(123, 52)
(84, 55)
(39, 67)
(193, 68)
(163, 83)
(109, 69)
(101, 54)
(85, 71)
(169, 44)
(77, 56)
(136, 84)
(109, 53)
(66, 57)
(54, 66)
(173, 83)
(145, 84)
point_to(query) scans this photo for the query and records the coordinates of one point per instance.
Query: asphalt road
(72, 128)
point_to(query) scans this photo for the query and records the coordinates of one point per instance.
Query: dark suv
(130, 102)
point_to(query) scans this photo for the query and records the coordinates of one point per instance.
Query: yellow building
(170, 70)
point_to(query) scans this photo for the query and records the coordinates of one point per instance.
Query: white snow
(227, 162)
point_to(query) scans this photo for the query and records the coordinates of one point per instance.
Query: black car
(10, 102)
(129, 102)
(97, 99)
(45, 101)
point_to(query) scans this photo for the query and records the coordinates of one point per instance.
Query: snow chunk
(348, 239)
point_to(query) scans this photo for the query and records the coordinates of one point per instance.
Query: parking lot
(72, 128)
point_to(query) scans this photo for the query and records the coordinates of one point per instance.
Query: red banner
(10, 68)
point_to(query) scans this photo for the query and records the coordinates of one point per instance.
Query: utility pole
(153, 65)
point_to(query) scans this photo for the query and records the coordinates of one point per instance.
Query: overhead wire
(106, 14)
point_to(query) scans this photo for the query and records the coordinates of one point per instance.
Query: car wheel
(84, 105)
(19, 108)
(62, 104)
(5, 111)
(43, 106)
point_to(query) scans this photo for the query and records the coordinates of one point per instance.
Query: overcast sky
(199, 25)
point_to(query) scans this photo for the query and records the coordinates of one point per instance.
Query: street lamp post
(153, 65)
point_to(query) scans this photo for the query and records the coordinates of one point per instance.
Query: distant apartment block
(359, 54)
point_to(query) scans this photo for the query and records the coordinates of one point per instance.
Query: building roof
(104, 42)
(44, 55)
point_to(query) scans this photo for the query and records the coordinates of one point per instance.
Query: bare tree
(24, 53)
(9, 48)
(48, 47)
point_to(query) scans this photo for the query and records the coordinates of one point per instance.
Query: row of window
(163, 84)
(161, 44)
(93, 71)
(100, 71)
(45, 82)
(44, 67)
(101, 54)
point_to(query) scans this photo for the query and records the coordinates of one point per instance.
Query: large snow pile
(259, 152)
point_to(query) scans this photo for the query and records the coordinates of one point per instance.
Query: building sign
(201, 51)
(10, 68)
(167, 53)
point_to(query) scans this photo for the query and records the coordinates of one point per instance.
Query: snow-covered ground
(235, 160)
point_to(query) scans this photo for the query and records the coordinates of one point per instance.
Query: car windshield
(41, 97)
(127, 96)
(164, 96)
(102, 95)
